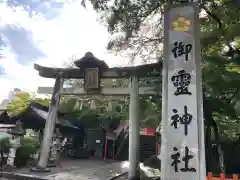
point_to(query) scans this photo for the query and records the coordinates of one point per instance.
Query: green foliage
(92, 118)
(45, 102)
(19, 103)
(4, 144)
(89, 118)
(29, 146)
(4, 141)
(4, 148)
(67, 104)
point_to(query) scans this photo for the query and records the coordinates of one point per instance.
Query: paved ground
(79, 170)
(99, 172)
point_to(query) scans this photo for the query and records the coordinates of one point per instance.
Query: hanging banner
(183, 154)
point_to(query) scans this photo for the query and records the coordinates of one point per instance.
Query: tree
(21, 102)
(137, 28)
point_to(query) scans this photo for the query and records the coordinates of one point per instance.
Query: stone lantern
(109, 107)
(17, 132)
(55, 152)
(92, 105)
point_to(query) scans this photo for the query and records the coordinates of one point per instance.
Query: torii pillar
(134, 129)
(49, 127)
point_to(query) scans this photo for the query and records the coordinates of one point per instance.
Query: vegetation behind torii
(88, 109)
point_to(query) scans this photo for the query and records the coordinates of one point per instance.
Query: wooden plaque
(91, 80)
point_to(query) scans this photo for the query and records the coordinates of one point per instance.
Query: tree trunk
(2, 157)
(207, 109)
(208, 150)
(219, 147)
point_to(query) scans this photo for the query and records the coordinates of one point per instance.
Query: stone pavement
(79, 169)
(102, 172)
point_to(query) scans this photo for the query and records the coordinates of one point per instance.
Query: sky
(47, 32)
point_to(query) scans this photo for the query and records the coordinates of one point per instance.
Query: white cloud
(6, 85)
(74, 32)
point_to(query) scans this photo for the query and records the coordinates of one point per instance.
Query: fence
(222, 177)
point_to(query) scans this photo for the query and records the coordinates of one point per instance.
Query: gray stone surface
(78, 170)
(98, 173)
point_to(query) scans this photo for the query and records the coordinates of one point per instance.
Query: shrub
(29, 146)
(4, 149)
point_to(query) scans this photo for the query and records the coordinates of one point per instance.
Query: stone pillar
(36, 156)
(17, 132)
(55, 153)
(134, 129)
(49, 127)
(14, 144)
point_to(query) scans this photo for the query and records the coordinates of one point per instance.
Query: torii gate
(92, 70)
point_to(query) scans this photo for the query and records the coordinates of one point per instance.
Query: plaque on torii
(91, 68)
